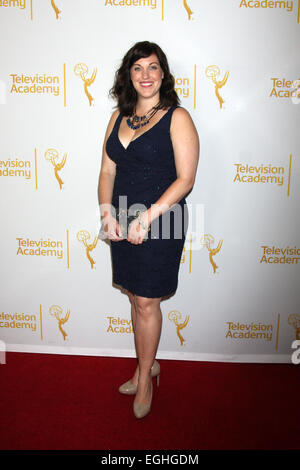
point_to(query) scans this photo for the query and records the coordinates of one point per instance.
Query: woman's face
(146, 75)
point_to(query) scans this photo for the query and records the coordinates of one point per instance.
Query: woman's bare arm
(186, 154)
(107, 171)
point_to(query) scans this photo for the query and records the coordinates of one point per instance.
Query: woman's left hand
(136, 233)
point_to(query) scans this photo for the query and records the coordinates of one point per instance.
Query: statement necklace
(135, 121)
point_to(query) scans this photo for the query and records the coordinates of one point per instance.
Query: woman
(150, 157)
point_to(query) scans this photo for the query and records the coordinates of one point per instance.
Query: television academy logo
(150, 4)
(15, 167)
(287, 6)
(186, 86)
(285, 88)
(54, 85)
(278, 255)
(253, 330)
(38, 83)
(267, 173)
(18, 321)
(43, 247)
(119, 325)
(21, 4)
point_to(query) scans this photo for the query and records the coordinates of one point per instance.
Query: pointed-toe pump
(128, 388)
(140, 410)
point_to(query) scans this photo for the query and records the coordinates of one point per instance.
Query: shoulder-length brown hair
(123, 90)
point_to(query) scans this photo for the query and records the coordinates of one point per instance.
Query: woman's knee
(145, 305)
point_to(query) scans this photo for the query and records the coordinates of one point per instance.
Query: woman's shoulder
(113, 118)
(181, 116)
(182, 124)
(114, 115)
(181, 113)
(112, 121)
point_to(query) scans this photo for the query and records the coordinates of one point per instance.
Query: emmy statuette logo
(294, 321)
(175, 317)
(213, 72)
(52, 156)
(57, 312)
(55, 8)
(188, 10)
(81, 70)
(83, 236)
(208, 241)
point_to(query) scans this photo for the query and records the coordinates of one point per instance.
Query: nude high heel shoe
(128, 388)
(141, 410)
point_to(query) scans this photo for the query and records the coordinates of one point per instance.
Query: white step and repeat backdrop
(236, 65)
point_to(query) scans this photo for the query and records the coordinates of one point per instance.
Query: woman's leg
(148, 324)
(135, 378)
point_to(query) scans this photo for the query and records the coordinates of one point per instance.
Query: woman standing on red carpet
(150, 158)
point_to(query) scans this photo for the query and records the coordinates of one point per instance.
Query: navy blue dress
(144, 170)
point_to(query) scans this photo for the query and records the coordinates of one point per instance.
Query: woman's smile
(146, 84)
(146, 75)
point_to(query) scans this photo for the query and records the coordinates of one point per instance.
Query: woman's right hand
(112, 229)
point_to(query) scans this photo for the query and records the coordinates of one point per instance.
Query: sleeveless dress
(144, 170)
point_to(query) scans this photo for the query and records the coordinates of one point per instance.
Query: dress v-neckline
(141, 135)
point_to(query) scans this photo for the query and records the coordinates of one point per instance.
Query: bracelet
(141, 222)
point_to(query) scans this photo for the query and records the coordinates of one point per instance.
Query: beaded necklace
(135, 121)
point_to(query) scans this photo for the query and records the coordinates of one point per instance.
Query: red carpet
(55, 402)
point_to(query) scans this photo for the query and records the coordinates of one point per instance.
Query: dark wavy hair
(124, 92)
